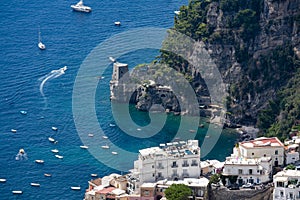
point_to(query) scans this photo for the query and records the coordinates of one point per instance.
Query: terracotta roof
(262, 142)
(106, 190)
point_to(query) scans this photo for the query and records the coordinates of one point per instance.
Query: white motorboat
(23, 112)
(115, 153)
(51, 139)
(54, 151)
(104, 137)
(13, 130)
(80, 7)
(105, 147)
(48, 175)
(91, 135)
(53, 127)
(2, 180)
(35, 184)
(40, 161)
(94, 175)
(41, 45)
(59, 156)
(17, 192)
(112, 125)
(177, 12)
(118, 23)
(112, 59)
(75, 187)
(84, 147)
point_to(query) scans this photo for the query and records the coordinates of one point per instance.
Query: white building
(248, 170)
(261, 147)
(291, 154)
(171, 161)
(286, 185)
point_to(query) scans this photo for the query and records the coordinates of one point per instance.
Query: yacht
(91, 135)
(118, 23)
(115, 153)
(104, 137)
(53, 127)
(105, 147)
(47, 175)
(80, 7)
(13, 130)
(84, 147)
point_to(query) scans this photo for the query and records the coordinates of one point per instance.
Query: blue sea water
(69, 37)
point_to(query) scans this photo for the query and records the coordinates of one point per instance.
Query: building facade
(171, 161)
(286, 185)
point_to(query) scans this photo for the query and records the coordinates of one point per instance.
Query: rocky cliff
(255, 45)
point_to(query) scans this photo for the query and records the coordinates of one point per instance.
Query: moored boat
(40, 161)
(84, 147)
(54, 150)
(54, 128)
(51, 139)
(105, 147)
(91, 135)
(59, 156)
(2, 180)
(75, 187)
(23, 112)
(94, 175)
(13, 130)
(17, 192)
(48, 175)
(114, 153)
(118, 23)
(35, 184)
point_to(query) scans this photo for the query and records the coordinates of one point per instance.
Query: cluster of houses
(252, 162)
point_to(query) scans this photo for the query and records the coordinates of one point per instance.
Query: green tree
(290, 166)
(178, 192)
(215, 178)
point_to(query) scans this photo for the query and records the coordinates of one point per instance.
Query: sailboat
(80, 7)
(40, 44)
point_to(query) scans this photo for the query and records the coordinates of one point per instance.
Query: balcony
(159, 167)
(174, 166)
(194, 164)
(174, 176)
(159, 178)
(185, 175)
(185, 165)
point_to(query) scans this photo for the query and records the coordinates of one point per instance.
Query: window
(174, 164)
(153, 174)
(250, 171)
(240, 171)
(280, 184)
(276, 152)
(152, 166)
(159, 174)
(146, 193)
(252, 154)
(281, 193)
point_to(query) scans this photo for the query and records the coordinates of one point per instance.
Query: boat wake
(52, 75)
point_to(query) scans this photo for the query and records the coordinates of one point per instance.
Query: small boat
(84, 147)
(47, 175)
(105, 147)
(21, 151)
(2, 180)
(201, 125)
(112, 125)
(75, 187)
(91, 135)
(39, 161)
(192, 131)
(13, 130)
(104, 137)
(94, 175)
(112, 59)
(54, 128)
(51, 139)
(54, 151)
(17, 192)
(23, 112)
(177, 12)
(138, 129)
(35, 184)
(80, 7)
(115, 153)
(40, 44)
(59, 156)
(118, 23)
